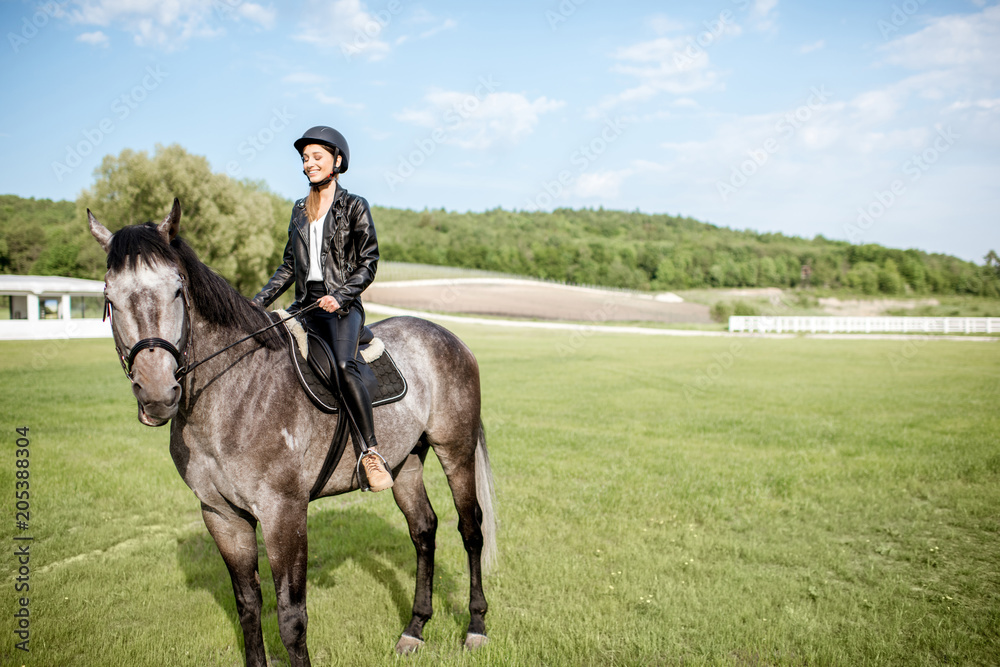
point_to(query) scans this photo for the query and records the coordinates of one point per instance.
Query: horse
(250, 446)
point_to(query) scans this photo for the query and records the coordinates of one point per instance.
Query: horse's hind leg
(235, 535)
(411, 497)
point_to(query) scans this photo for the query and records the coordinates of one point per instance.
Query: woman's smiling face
(317, 162)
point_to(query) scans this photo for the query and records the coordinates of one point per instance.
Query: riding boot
(359, 403)
(376, 468)
(342, 333)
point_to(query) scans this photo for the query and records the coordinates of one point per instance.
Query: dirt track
(533, 300)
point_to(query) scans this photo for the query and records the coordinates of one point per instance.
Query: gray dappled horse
(250, 444)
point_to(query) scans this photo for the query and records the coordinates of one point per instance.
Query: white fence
(932, 325)
(54, 329)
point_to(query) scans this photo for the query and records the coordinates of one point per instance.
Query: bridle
(180, 351)
(127, 360)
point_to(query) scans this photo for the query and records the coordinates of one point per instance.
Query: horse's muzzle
(155, 388)
(155, 416)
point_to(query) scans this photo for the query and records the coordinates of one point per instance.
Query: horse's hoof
(474, 640)
(407, 645)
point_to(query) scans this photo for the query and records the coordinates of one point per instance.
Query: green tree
(769, 273)
(229, 223)
(30, 228)
(666, 273)
(864, 277)
(914, 272)
(993, 261)
(889, 280)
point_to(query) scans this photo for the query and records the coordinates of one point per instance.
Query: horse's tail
(486, 495)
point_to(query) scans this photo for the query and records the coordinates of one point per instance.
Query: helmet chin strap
(319, 184)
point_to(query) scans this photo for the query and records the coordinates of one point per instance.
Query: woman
(331, 256)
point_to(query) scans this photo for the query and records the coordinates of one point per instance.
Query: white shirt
(315, 244)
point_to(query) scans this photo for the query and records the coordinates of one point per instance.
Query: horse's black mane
(215, 299)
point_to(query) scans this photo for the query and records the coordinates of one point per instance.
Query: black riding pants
(341, 332)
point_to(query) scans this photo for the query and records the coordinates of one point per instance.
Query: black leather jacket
(349, 254)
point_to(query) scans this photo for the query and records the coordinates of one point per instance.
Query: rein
(153, 342)
(184, 370)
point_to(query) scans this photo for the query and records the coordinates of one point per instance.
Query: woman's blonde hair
(312, 202)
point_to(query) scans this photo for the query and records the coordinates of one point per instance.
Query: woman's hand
(329, 304)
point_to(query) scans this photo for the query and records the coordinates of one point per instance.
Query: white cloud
(448, 24)
(96, 38)
(420, 18)
(955, 61)
(348, 26)
(601, 184)
(673, 65)
(165, 24)
(828, 161)
(983, 105)
(333, 100)
(824, 158)
(961, 40)
(262, 16)
(763, 16)
(479, 122)
(663, 24)
(955, 83)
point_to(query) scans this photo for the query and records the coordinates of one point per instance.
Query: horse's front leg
(284, 529)
(235, 535)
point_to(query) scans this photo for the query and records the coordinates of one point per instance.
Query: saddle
(314, 365)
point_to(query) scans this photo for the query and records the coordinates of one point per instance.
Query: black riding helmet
(329, 137)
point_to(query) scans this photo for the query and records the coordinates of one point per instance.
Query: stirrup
(357, 467)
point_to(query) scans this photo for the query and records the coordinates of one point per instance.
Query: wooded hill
(643, 251)
(240, 227)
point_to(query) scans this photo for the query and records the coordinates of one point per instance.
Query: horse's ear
(99, 231)
(172, 223)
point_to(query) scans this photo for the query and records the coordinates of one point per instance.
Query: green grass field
(664, 501)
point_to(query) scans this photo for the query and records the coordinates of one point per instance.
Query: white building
(47, 307)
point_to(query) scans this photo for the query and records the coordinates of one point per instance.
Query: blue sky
(867, 121)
